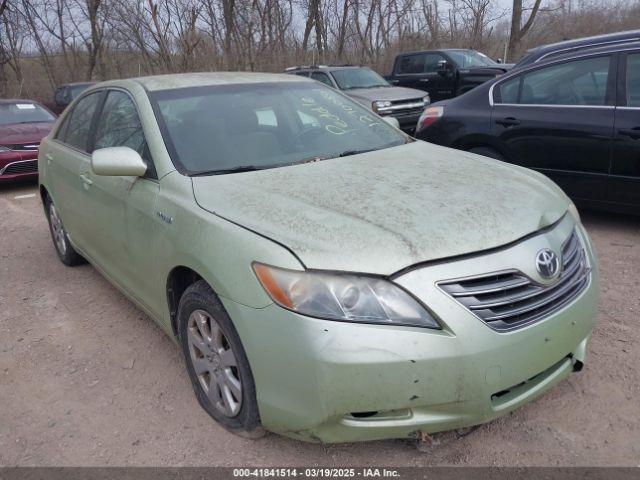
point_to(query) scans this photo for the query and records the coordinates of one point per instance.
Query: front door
(624, 182)
(559, 120)
(122, 209)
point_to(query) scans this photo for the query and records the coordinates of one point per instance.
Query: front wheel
(217, 363)
(67, 254)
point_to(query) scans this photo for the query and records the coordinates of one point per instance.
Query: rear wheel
(217, 363)
(67, 254)
(487, 152)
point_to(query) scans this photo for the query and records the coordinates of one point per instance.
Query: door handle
(395, 82)
(49, 157)
(425, 80)
(631, 132)
(86, 180)
(508, 122)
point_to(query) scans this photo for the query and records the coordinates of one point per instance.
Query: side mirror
(443, 68)
(393, 121)
(498, 60)
(118, 162)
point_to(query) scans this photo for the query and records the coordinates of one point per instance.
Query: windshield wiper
(240, 169)
(348, 153)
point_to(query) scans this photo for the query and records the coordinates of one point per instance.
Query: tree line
(44, 43)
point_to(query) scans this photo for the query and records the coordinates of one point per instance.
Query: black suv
(573, 117)
(444, 73)
(66, 93)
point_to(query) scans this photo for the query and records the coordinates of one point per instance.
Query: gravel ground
(88, 379)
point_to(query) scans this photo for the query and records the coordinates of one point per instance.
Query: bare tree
(518, 30)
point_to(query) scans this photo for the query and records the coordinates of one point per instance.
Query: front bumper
(329, 381)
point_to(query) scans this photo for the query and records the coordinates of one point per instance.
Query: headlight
(351, 298)
(380, 104)
(426, 100)
(4, 149)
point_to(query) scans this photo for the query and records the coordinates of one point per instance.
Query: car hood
(21, 133)
(392, 94)
(382, 211)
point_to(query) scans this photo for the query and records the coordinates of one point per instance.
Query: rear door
(420, 71)
(624, 183)
(64, 157)
(558, 119)
(120, 210)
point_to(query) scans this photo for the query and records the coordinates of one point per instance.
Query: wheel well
(180, 278)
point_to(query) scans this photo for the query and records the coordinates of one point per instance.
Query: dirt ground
(88, 379)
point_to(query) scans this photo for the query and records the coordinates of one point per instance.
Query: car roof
(184, 80)
(77, 84)
(438, 50)
(322, 68)
(535, 55)
(202, 79)
(585, 52)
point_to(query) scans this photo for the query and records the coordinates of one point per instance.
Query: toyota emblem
(547, 263)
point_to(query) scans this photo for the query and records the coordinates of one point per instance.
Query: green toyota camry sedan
(326, 276)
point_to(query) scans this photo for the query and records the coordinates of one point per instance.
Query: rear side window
(75, 131)
(581, 82)
(411, 64)
(633, 80)
(509, 91)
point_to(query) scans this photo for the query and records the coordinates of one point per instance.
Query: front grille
(510, 300)
(408, 107)
(23, 166)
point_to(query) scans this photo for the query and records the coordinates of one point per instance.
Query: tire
(66, 253)
(487, 152)
(217, 363)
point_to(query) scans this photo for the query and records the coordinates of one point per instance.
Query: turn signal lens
(429, 117)
(351, 298)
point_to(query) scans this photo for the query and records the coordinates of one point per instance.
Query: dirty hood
(392, 94)
(382, 211)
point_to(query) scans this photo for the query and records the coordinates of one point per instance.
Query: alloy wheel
(214, 363)
(57, 229)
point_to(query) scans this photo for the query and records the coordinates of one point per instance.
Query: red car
(23, 123)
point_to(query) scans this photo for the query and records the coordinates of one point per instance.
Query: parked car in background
(574, 117)
(444, 73)
(371, 90)
(546, 52)
(327, 276)
(65, 94)
(23, 124)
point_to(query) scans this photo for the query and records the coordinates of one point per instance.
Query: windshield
(471, 58)
(350, 78)
(226, 128)
(23, 112)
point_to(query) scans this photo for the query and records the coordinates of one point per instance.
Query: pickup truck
(370, 89)
(444, 73)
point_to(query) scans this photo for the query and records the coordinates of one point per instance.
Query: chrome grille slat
(21, 166)
(458, 289)
(508, 300)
